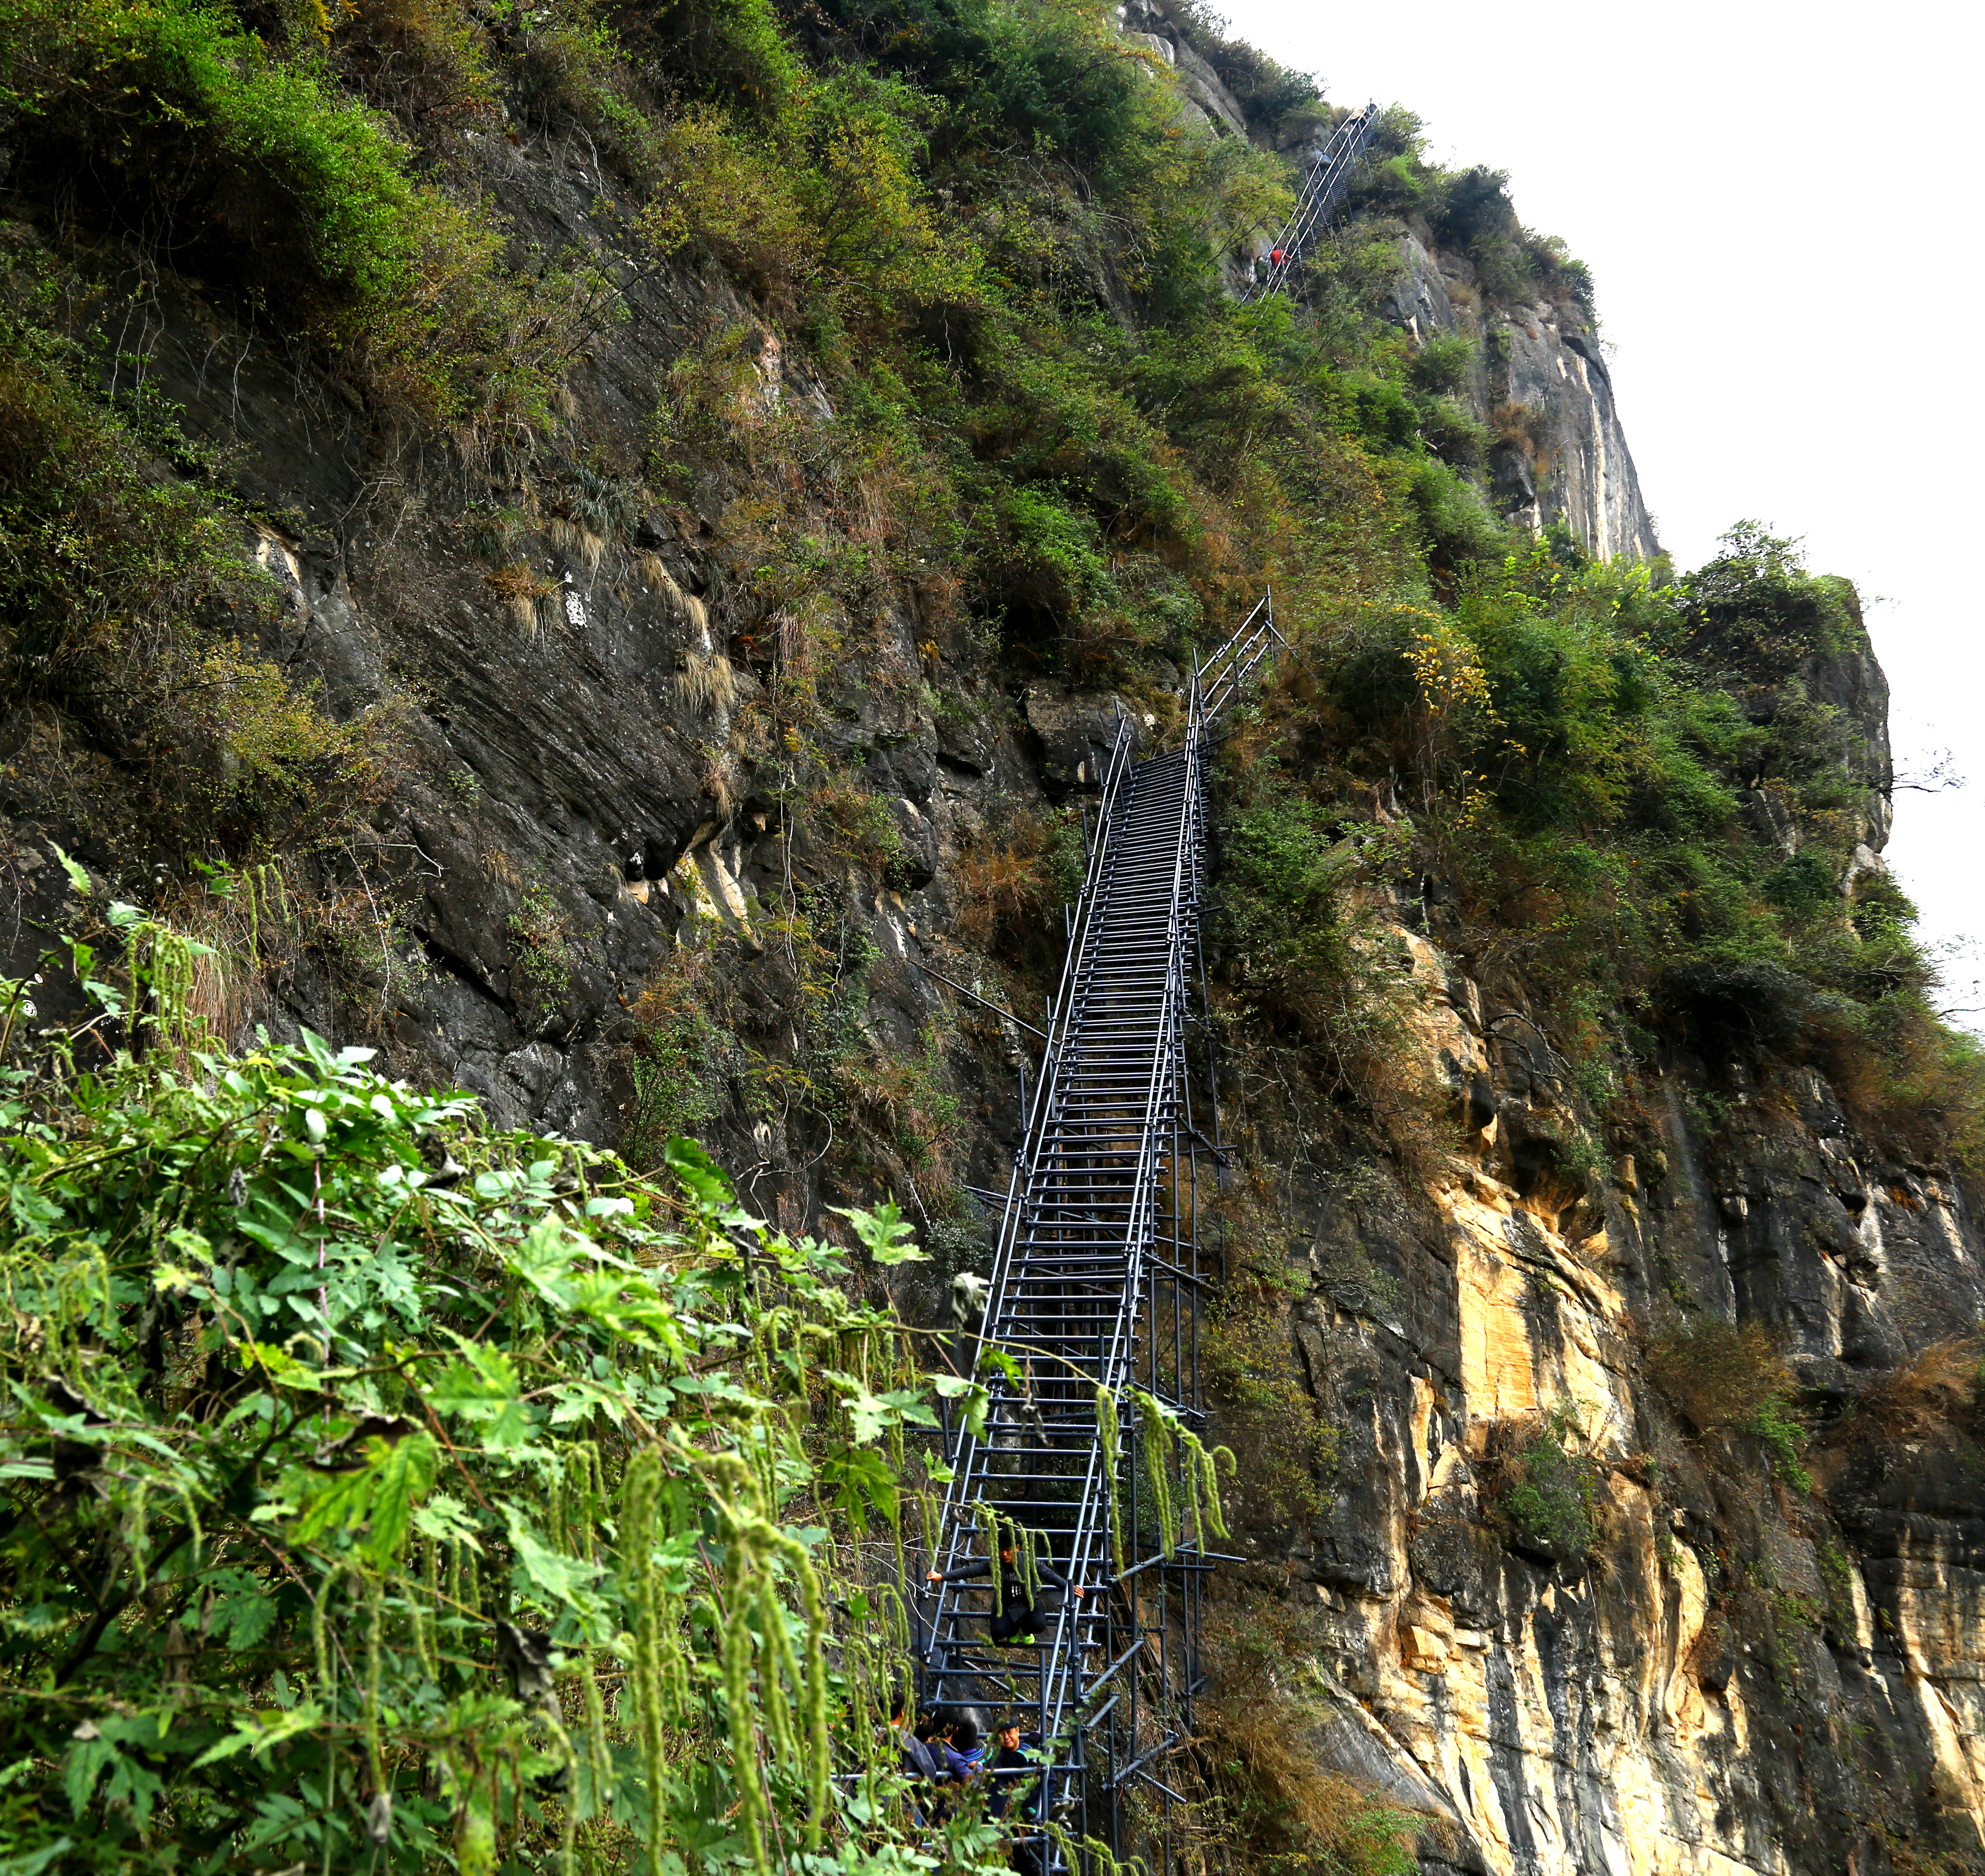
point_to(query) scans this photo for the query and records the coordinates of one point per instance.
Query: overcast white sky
(1781, 206)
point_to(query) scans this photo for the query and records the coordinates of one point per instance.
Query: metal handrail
(1323, 188)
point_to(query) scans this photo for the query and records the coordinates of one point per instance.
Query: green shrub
(194, 129)
(1723, 1378)
(680, 1056)
(182, 108)
(376, 1481)
(1784, 1435)
(1285, 910)
(1441, 365)
(417, 60)
(541, 955)
(1262, 1410)
(734, 54)
(124, 596)
(1546, 1492)
(1458, 524)
(1804, 885)
(569, 73)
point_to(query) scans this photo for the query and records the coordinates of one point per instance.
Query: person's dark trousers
(1014, 1625)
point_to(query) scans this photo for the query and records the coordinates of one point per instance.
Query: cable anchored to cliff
(1323, 189)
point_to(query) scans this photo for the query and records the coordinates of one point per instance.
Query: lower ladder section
(1071, 1564)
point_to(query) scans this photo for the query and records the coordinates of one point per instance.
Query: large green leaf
(378, 1497)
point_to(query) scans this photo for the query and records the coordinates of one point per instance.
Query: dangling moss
(776, 1667)
(1109, 1435)
(1029, 1559)
(375, 1620)
(1165, 1437)
(639, 1533)
(421, 1607)
(737, 1653)
(989, 1526)
(1155, 1426)
(569, 1818)
(1091, 1855)
(820, 1764)
(1202, 1479)
(599, 1752)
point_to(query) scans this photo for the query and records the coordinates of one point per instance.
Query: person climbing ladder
(1015, 1618)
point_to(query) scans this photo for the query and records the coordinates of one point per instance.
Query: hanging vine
(538, 1544)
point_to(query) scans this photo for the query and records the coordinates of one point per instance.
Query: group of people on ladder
(946, 1756)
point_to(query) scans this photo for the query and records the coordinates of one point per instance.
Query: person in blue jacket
(1018, 1780)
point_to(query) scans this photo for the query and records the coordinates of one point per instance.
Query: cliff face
(1698, 1644)
(1739, 1673)
(1539, 380)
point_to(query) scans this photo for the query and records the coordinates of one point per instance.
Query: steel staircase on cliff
(1097, 1283)
(1323, 188)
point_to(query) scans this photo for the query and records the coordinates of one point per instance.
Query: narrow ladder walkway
(1323, 188)
(1097, 1285)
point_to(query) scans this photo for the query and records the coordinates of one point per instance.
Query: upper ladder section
(1323, 188)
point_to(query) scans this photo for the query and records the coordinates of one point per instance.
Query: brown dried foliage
(1274, 1809)
(1933, 1395)
(1716, 1376)
(1002, 886)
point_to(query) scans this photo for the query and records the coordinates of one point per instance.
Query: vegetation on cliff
(996, 234)
(383, 1491)
(962, 403)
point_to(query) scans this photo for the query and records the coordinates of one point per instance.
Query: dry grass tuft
(523, 591)
(706, 682)
(1716, 1376)
(792, 643)
(578, 542)
(1930, 1396)
(1272, 1808)
(1002, 886)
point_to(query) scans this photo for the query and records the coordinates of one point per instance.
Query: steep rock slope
(677, 803)
(1541, 381)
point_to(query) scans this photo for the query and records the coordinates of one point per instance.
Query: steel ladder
(1323, 188)
(1097, 1283)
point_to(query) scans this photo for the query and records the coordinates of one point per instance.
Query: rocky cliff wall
(1739, 1674)
(1538, 378)
(1695, 1662)
(1541, 381)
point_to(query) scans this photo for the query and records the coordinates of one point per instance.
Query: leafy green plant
(1548, 1486)
(541, 943)
(1783, 1435)
(125, 597)
(381, 1488)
